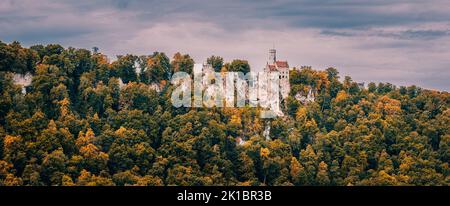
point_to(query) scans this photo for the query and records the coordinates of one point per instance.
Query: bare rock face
(305, 99)
(23, 80)
(266, 132)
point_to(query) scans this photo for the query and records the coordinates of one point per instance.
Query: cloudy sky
(399, 41)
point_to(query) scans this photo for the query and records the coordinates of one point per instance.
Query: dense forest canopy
(84, 120)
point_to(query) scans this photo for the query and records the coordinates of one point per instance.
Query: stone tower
(272, 56)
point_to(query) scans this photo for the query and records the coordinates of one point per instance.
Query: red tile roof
(282, 64)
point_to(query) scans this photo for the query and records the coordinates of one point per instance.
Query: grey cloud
(425, 34)
(337, 33)
(407, 34)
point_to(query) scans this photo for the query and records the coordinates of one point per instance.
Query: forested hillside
(85, 120)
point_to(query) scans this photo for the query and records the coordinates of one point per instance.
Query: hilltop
(83, 120)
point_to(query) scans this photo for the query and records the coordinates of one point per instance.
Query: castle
(282, 67)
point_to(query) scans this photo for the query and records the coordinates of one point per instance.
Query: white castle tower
(283, 68)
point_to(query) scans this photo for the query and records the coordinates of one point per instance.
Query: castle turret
(272, 56)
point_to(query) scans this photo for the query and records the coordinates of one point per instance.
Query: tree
(31, 174)
(139, 96)
(156, 68)
(182, 63)
(444, 148)
(6, 170)
(372, 87)
(322, 174)
(14, 151)
(238, 65)
(15, 58)
(298, 173)
(216, 62)
(54, 167)
(53, 138)
(332, 74)
(46, 79)
(88, 179)
(93, 158)
(183, 176)
(292, 105)
(308, 159)
(351, 167)
(125, 66)
(246, 169)
(130, 147)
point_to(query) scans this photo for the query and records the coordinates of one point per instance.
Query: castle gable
(277, 66)
(282, 64)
